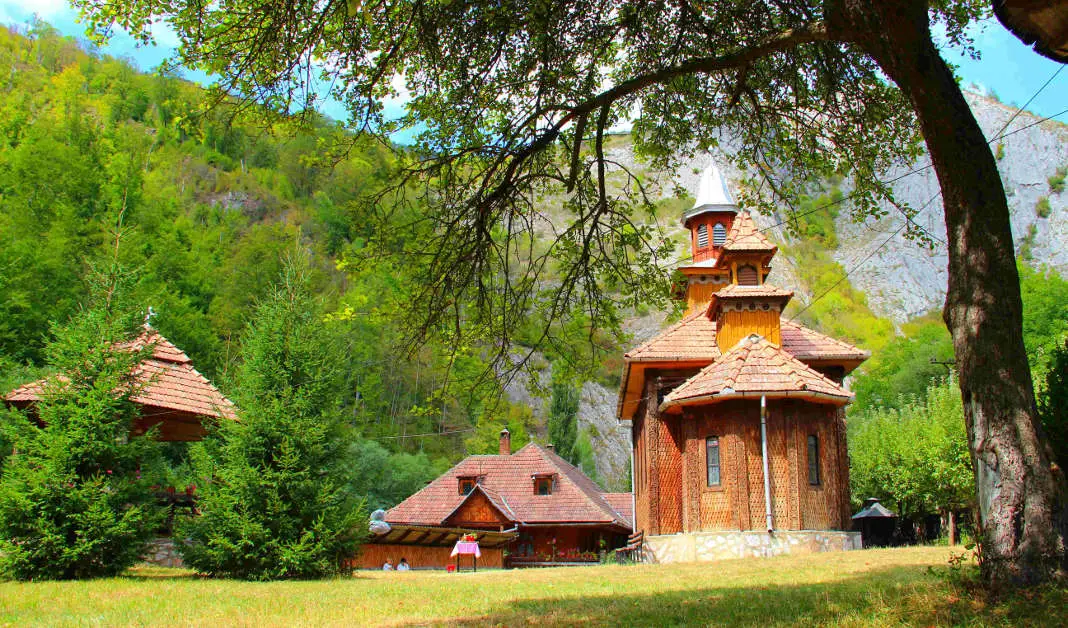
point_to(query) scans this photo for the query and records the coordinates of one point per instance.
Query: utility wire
(997, 136)
(857, 265)
(445, 433)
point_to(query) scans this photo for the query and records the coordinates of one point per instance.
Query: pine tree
(563, 413)
(75, 497)
(276, 503)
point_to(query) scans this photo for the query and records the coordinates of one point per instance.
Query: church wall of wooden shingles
(674, 496)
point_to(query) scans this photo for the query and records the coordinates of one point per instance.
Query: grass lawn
(862, 588)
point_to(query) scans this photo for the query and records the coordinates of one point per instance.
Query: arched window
(719, 234)
(748, 276)
(702, 236)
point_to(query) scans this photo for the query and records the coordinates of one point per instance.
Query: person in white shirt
(388, 566)
(403, 565)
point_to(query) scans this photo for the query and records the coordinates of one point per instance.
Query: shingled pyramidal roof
(507, 481)
(753, 368)
(167, 378)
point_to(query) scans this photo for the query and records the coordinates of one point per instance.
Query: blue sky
(1007, 68)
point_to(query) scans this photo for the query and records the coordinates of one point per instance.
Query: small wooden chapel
(737, 416)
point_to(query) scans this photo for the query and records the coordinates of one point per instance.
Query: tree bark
(1021, 500)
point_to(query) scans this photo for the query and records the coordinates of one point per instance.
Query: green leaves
(915, 458)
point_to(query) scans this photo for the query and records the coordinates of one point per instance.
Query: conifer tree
(75, 496)
(563, 417)
(276, 503)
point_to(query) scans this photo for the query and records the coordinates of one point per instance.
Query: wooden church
(737, 416)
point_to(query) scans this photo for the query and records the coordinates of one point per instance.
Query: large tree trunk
(1021, 502)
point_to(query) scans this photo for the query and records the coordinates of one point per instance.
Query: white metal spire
(713, 195)
(713, 189)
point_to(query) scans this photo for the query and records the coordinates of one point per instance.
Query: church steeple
(710, 218)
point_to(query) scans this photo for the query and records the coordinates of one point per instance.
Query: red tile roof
(622, 503)
(744, 236)
(755, 367)
(168, 381)
(507, 481)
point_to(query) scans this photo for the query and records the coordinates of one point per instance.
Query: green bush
(1056, 182)
(1042, 207)
(276, 502)
(76, 498)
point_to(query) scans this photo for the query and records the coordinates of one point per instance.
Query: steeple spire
(713, 195)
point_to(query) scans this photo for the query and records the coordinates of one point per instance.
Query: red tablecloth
(466, 547)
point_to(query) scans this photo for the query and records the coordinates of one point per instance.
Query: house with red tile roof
(737, 416)
(556, 511)
(171, 393)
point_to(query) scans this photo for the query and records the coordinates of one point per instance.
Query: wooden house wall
(478, 512)
(540, 541)
(374, 555)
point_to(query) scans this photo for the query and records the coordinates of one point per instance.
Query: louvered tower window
(702, 236)
(719, 234)
(747, 276)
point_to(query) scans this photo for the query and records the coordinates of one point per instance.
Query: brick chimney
(506, 442)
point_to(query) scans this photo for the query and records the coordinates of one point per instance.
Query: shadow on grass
(893, 596)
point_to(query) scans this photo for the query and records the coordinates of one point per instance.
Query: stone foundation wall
(710, 546)
(162, 552)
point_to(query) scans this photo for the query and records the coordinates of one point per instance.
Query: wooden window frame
(469, 482)
(543, 481)
(713, 443)
(702, 231)
(813, 459)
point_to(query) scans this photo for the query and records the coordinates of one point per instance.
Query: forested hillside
(208, 203)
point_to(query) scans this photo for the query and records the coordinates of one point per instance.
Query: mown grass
(864, 588)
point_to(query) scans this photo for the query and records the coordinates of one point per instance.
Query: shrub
(75, 500)
(1056, 182)
(275, 502)
(1042, 207)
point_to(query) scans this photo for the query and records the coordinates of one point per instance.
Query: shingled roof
(744, 236)
(168, 381)
(507, 481)
(765, 290)
(755, 367)
(811, 346)
(693, 339)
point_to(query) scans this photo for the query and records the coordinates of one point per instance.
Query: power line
(445, 433)
(857, 265)
(997, 136)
